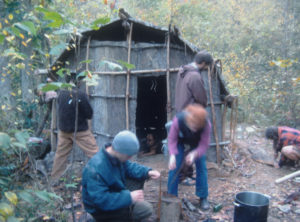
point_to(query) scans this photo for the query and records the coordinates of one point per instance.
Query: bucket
(250, 207)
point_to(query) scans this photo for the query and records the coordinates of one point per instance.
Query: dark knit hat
(126, 142)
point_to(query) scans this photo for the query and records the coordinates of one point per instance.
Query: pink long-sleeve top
(174, 136)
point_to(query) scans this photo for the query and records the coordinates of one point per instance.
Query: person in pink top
(190, 128)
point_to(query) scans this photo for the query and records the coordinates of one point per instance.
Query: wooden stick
(87, 69)
(224, 121)
(135, 72)
(231, 120)
(172, 70)
(169, 114)
(53, 126)
(129, 37)
(87, 53)
(214, 115)
(235, 119)
(297, 173)
(159, 200)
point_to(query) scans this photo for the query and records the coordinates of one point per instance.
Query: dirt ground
(226, 181)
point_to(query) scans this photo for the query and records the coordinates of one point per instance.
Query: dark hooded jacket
(67, 110)
(103, 182)
(189, 87)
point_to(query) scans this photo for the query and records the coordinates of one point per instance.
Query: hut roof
(142, 32)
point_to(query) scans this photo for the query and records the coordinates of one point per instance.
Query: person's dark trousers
(137, 212)
(122, 215)
(201, 175)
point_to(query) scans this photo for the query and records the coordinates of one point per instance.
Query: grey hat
(126, 142)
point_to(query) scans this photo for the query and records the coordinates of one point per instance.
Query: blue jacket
(103, 182)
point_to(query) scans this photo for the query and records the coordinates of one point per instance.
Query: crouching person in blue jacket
(104, 193)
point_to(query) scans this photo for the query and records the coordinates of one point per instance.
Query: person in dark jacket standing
(190, 90)
(66, 122)
(104, 193)
(189, 85)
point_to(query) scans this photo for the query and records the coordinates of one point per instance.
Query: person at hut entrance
(66, 116)
(286, 141)
(189, 90)
(104, 192)
(189, 85)
(190, 127)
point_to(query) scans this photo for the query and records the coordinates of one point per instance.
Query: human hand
(190, 158)
(137, 195)
(154, 174)
(172, 162)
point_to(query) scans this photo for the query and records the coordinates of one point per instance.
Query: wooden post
(170, 209)
(231, 120)
(53, 126)
(87, 53)
(235, 119)
(159, 200)
(87, 69)
(169, 110)
(146, 71)
(224, 120)
(129, 37)
(214, 115)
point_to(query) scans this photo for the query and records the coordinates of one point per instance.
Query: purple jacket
(174, 136)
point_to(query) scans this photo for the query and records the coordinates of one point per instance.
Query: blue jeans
(201, 175)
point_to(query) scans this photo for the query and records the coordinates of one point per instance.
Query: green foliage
(100, 21)
(256, 40)
(126, 65)
(19, 203)
(54, 86)
(27, 26)
(56, 19)
(26, 204)
(4, 141)
(110, 65)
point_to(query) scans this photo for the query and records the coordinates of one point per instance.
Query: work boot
(204, 204)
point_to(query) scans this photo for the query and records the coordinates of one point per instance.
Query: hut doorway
(151, 115)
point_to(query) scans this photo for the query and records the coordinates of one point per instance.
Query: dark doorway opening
(151, 115)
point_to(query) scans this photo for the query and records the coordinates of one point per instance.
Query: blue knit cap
(125, 142)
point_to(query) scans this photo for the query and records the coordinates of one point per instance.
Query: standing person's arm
(172, 143)
(173, 137)
(202, 147)
(196, 86)
(277, 148)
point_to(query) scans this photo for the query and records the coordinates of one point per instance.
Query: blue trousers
(201, 175)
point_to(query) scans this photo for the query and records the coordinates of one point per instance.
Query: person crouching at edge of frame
(190, 127)
(286, 141)
(104, 192)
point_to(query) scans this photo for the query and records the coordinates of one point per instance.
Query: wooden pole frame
(224, 120)
(87, 69)
(132, 72)
(129, 37)
(169, 107)
(136, 72)
(214, 115)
